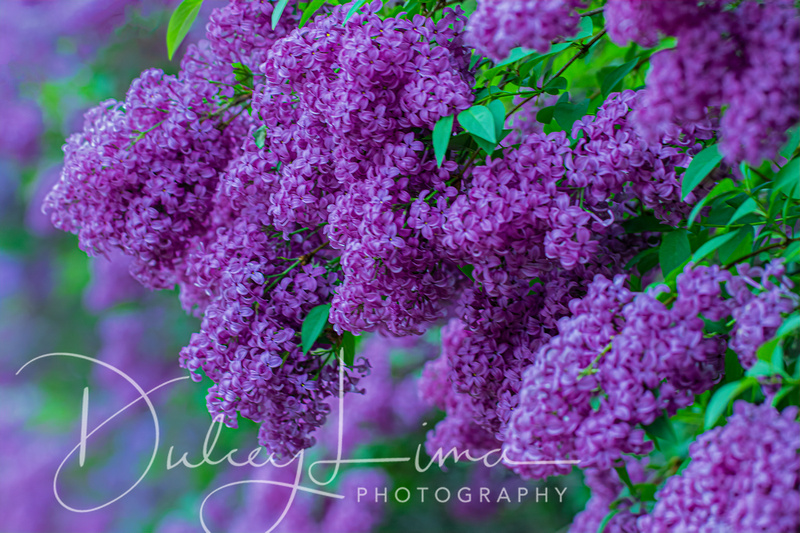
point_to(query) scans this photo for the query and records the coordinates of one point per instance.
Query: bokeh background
(57, 59)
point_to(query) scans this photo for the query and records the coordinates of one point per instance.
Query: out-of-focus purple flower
(497, 26)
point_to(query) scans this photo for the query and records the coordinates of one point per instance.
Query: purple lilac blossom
(497, 26)
(620, 360)
(759, 314)
(743, 59)
(743, 476)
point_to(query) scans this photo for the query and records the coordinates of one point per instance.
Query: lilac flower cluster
(248, 339)
(622, 359)
(743, 476)
(142, 175)
(759, 314)
(497, 26)
(542, 202)
(343, 106)
(743, 58)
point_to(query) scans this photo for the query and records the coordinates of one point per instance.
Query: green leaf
(613, 81)
(701, 166)
(737, 247)
(661, 428)
(764, 352)
(789, 325)
(733, 367)
(479, 121)
(313, 325)
(515, 55)
(348, 348)
(723, 187)
(353, 9)
(674, 251)
(586, 29)
(792, 252)
(545, 114)
(760, 368)
(277, 12)
(567, 113)
(646, 491)
(606, 519)
(310, 10)
(467, 270)
(260, 136)
(723, 397)
(180, 23)
(786, 389)
(747, 207)
(556, 85)
(787, 180)
(485, 145)
(622, 472)
(243, 74)
(645, 223)
(499, 114)
(791, 145)
(711, 246)
(442, 132)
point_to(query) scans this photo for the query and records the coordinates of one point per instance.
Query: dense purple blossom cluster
(620, 360)
(500, 25)
(142, 175)
(762, 297)
(318, 186)
(743, 59)
(742, 477)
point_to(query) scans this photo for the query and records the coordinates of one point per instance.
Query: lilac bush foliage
(291, 170)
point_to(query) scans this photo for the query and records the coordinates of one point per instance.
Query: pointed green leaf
(515, 55)
(661, 428)
(442, 132)
(567, 113)
(348, 348)
(711, 246)
(499, 114)
(479, 121)
(701, 166)
(791, 144)
(310, 10)
(606, 519)
(722, 399)
(260, 136)
(787, 180)
(747, 207)
(545, 114)
(555, 85)
(180, 23)
(675, 250)
(485, 145)
(313, 325)
(586, 29)
(353, 9)
(277, 12)
(725, 186)
(613, 80)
